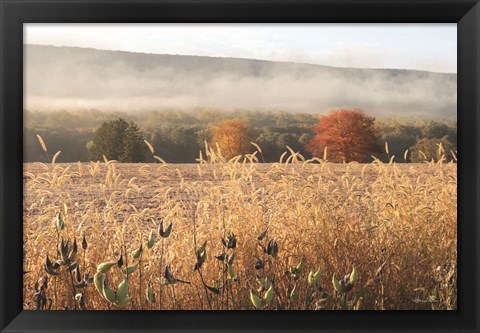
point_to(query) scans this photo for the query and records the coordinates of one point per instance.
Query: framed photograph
(226, 165)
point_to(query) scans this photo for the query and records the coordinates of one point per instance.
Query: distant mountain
(72, 77)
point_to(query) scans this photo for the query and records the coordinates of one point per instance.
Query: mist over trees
(177, 102)
(177, 137)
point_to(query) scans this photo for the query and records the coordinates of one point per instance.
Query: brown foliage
(348, 134)
(233, 137)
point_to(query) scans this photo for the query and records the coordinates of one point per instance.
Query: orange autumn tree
(233, 137)
(348, 134)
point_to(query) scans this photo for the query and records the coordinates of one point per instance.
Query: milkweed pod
(160, 228)
(198, 265)
(60, 223)
(98, 280)
(202, 253)
(122, 290)
(300, 266)
(64, 251)
(105, 266)
(48, 263)
(338, 287)
(267, 298)
(262, 235)
(259, 263)
(168, 273)
(165, 233)
(150, 295)
(231, 271)
(50, 269)
(73, 253)
(136, 254)
(310, 278)
(58, 263)
(231, 241)
(84, 243)
(151, 240)
(256, 301)
(274, 250)
(316, 275)
(130, 269)
(72, 267)
(169, 230)
(108, 293)
(353, 276)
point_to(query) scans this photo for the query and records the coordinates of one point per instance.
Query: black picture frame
(14, 13)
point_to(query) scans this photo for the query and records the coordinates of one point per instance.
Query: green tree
(118, 140)
(133, 145)
(177, 143)
(427, 149)
(435, 130)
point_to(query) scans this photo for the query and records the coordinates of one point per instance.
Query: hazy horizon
(425, 47)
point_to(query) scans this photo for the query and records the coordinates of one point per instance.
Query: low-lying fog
(64, 77)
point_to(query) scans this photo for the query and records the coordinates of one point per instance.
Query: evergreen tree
(117, 140)
(133, 145)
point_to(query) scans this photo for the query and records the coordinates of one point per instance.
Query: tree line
(177, 137)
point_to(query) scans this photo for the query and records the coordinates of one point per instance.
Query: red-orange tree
(348, 134)
(233, 136)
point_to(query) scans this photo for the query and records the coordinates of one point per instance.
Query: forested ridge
(177, 137)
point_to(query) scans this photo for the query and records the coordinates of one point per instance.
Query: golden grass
(395, 223)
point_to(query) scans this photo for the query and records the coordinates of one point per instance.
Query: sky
(430, 47)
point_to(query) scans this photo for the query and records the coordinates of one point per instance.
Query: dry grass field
(278, 236)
